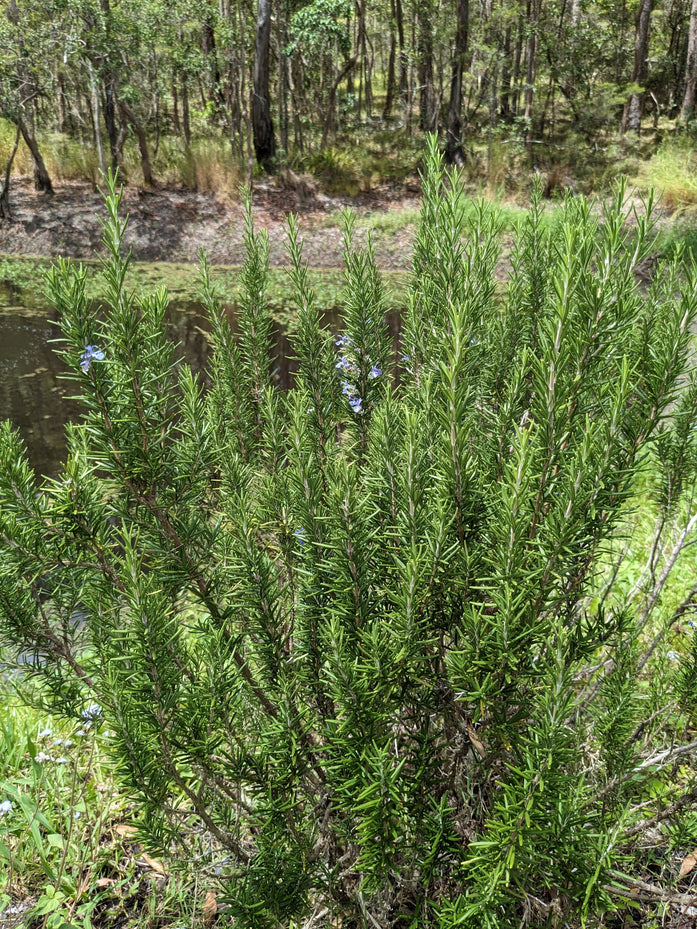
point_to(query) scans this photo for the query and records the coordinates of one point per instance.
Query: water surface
(36, 395)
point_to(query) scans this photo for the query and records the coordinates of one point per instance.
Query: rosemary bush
(367, 645)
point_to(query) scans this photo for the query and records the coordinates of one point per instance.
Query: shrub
(366, 645)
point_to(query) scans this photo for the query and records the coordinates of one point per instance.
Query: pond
(35, 394)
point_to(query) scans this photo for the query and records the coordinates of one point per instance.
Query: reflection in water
(36, 396)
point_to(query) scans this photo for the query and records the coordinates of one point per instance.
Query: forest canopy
(279, 82)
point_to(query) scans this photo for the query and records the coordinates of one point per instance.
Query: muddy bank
(172, 225)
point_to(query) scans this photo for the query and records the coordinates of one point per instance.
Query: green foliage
(321, 24)
(365, 642)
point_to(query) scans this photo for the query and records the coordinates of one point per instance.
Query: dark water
(35, 395)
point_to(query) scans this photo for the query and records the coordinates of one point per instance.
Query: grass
(22, 283)
(69, 851)
(672, 170)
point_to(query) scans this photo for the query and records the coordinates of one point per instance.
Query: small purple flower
(348, 390)
(405, 357)
(355, 404)
(375, 371)
(90, 354)
(300, 536)
(344, 341)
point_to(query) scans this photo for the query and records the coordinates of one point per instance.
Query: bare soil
(174, 224)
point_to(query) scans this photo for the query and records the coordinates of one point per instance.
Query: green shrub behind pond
(363, 643)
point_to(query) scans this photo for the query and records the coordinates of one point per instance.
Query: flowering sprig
(350, 365)
(90, 354)
(92, 712)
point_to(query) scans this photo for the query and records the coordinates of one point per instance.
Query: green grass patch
(22, 283)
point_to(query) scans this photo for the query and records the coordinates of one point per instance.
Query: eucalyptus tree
(26, 35)
(262, 123)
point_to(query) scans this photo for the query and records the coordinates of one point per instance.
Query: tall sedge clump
(372, 647)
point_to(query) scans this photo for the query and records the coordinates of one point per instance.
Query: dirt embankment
(172, 225)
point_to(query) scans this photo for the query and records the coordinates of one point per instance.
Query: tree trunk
(96, 107)
(688, 100)
(5, 212)
(631, 117)
(128, 114)
(345, 71)
(389, 95)
(175, 108)
(427, 103)
(186, 120)
(533, 39)
(42, 179)
(453, 142)
(262, 125)
(403, 57)
(62, 121)
(24, 119)
(109, 83)
(110, 117)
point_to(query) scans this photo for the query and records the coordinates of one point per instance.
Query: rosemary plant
(367, 645)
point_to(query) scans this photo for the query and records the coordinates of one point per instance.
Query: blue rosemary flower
(355, 404)
(90, 354)
(375, 371)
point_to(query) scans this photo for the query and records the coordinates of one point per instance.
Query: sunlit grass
(672, 171)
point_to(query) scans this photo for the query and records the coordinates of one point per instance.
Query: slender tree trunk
(368, 73)
(25, 117)
(505, 107)
(688, 100)
(42, 179)
(110, 117)
(5, 212)
(262, 124)
(210, 53)
(533, 41)
(62, 122)
(95, 117)
(283, 75)
(631, 117)
(109, 79)
(186, 119)
(391, 77)
(453, 142)
(329, 117)
(517, 59)
(403, 57)
(427, 103)
(145, 164)
(175, 108)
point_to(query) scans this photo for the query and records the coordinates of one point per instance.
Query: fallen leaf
(125, 831)
(479, 746)
(154, 864)
(210, 908)
(688, 864)
(105, 882)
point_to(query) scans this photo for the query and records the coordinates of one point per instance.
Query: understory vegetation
(410, 644)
